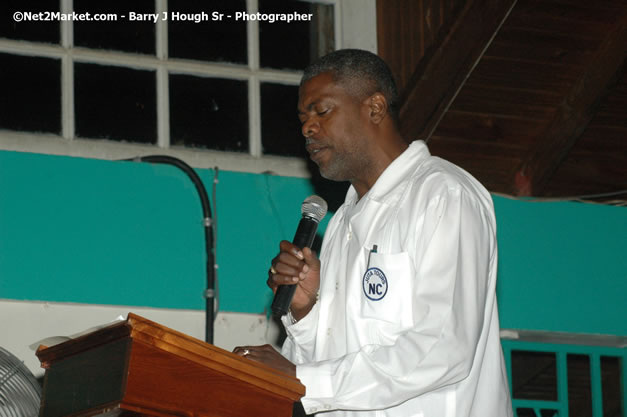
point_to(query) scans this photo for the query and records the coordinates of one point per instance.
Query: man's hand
(293, 266)
(267, 355)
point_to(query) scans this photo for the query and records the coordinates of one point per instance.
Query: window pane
(207, 40)
(280, 127)
(530, 412)
(301, 42)
(115, 103)
(37, 31)
(534, 375)
(613, 401)
(31, 93)
(579, 389)
(209, 113)
(122, 35)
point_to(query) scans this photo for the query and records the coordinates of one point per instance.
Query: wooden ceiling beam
(574, 113)
(445, 67)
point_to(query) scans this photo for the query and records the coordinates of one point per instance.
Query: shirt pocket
(387, 287)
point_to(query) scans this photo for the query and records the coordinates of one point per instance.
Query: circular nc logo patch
(375, 284)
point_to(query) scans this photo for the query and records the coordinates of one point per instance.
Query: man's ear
(378, 107)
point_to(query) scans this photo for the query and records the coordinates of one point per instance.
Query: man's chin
(331, 174)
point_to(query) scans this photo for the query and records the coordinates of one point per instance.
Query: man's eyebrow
(309, 107)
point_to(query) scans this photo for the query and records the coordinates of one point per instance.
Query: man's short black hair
(360, 72)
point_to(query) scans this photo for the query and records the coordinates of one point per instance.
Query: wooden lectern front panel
(88, 382)
(139, 367)
(188, 386)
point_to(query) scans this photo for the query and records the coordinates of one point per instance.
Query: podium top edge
(141, 329)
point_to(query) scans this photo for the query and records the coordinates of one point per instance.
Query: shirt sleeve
(454, 254)
(299, 344)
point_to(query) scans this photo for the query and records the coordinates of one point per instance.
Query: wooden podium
(138, 367)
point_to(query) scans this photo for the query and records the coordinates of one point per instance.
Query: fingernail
(305, 268)
(295, 279)
(299, 255)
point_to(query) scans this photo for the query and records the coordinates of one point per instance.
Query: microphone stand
(210, 292)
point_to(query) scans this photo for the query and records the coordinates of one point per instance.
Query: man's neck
(384, 157)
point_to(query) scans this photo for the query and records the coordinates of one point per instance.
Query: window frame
(354, 26)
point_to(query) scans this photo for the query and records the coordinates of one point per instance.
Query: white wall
(24, 325)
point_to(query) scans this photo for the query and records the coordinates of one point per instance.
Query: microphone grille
(314, 207)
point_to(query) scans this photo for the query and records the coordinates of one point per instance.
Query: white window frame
(355, 27)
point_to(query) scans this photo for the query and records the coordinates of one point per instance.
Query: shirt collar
(398, 171)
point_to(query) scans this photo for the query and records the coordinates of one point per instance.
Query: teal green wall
(102, 232)
(92, 231)
(563, 266)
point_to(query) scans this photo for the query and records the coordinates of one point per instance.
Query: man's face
(332, 123)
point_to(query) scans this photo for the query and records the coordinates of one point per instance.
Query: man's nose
(310, 128)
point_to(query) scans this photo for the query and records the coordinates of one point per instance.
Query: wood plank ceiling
(530, 96)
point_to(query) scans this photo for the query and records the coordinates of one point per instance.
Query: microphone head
(314, 207)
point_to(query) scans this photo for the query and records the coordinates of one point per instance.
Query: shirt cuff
(304, 330)
(319, 387)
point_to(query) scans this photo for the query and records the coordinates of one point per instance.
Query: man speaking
(398, 317)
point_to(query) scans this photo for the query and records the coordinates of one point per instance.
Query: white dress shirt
(410, 328)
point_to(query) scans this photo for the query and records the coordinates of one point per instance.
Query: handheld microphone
(314, 209)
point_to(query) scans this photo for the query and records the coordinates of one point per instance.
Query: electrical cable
(214, 199)
(210, 293)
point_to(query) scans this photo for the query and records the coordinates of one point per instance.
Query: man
(398, 317)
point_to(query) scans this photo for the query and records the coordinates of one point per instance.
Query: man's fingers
(287, 260)
(288, 247)
(311, 259)
(242, 350)
(290, 266)
(276, 279)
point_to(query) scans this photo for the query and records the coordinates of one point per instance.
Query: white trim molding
(355, 27)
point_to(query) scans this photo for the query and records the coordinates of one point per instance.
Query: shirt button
(329, 331)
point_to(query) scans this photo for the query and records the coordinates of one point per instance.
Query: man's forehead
(327, 84)
(317, 87)
(317, 82)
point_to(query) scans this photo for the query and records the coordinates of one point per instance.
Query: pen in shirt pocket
(373, 250)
